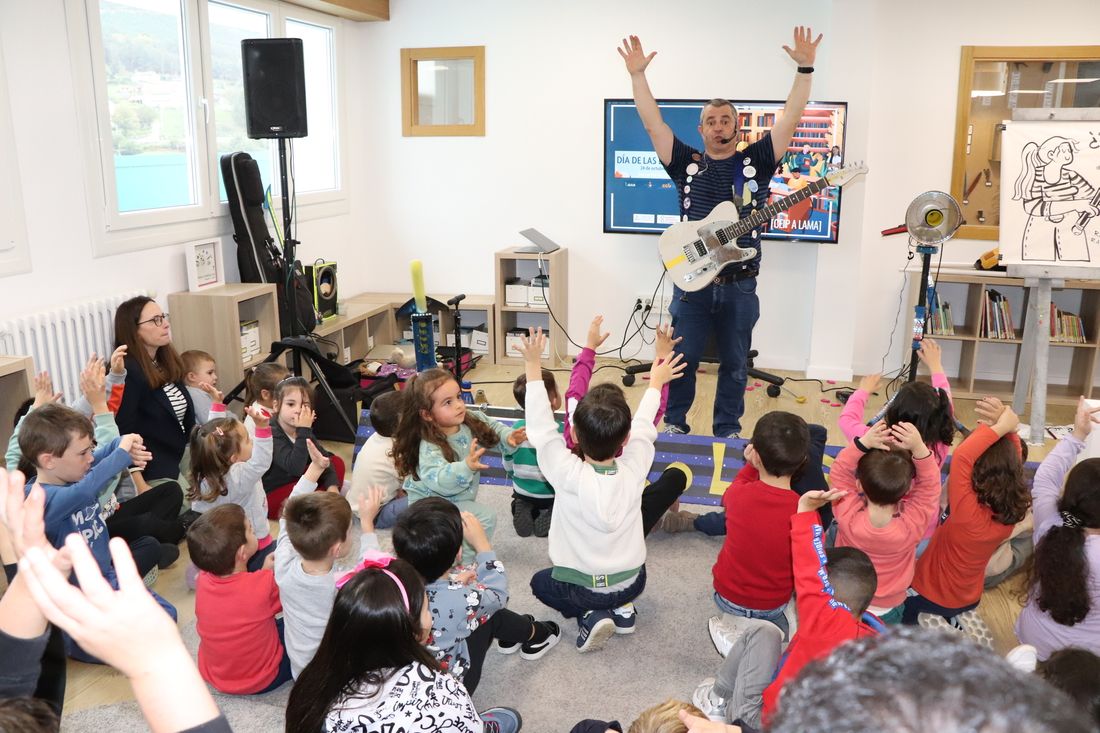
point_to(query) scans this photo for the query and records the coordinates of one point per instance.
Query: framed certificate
(204, 264)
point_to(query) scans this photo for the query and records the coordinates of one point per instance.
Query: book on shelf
(996, 317)
(1065, 327)
(940, 322)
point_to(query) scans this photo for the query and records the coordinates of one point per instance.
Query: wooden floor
(90, 685)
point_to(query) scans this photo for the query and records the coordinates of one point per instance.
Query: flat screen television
(639, 197)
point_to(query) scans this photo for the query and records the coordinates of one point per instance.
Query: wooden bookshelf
(16, 385)
(555, 265)
(1073, 365)
(386, 327)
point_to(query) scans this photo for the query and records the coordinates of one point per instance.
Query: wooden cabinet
(211, 320)
(476, 310)
(977, 365)
(512, 265)
(16, 385)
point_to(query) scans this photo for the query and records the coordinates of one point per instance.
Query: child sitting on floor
(227, 467)
(240, 641)
(260, 382)
(291, 430)
(893, 494)
(532, 494)
(466, 617)
(200, 375)
(374, 465)
(313, 534)
(439, 443)
(832, 591)
(752, 575)
(597, 538)
(988, 495)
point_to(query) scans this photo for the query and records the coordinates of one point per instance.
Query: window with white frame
(166, 95)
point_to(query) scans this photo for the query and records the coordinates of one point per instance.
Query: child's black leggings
(507, 626)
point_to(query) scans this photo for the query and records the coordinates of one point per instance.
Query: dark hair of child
(385, 413)
(927, 408)
(1075, 672)
(886, 475)
(782, 440)
(1059, 577)
(50, 429)
(369, 616)
(428, 536)
(853, 577)
(215, 537)
(602, 422)
(412, 428)
(213, 446)
(291, 384)
(519, 387)
(263, 377)
(999, 482)
(315, 522)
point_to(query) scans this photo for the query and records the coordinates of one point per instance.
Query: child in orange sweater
(892, 482)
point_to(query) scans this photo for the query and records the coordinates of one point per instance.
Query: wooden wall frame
(972, 56)
(410, 94)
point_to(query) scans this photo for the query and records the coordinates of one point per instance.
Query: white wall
(454, 201)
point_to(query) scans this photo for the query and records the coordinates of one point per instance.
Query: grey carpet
(665, 658)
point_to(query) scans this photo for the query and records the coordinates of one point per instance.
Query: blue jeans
(775, 615)
(391, 510)
(573, 601)
(728, 312)
(283, 675)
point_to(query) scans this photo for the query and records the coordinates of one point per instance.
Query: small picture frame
(204, 264)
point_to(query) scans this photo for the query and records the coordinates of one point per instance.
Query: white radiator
(61, 340)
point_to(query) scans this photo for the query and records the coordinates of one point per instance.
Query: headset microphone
(725, 140)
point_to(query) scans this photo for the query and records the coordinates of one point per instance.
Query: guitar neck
(764, 214)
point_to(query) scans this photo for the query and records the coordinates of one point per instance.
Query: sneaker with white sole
(501, 720)
(724, 632)
(704, 698)
(625, 618)
(674, 430)
(505, 648)
(596, 628)
(548, 634)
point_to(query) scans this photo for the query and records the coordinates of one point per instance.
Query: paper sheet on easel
(1050, 177)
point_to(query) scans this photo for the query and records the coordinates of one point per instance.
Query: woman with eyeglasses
(156, 406)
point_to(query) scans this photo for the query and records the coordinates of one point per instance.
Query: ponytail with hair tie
(1071, 520)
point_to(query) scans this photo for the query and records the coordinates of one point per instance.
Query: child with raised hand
(200, 376)
(988, 494)
(313, 535)
(532, 494)
(893, 494)
(928, 407)
(260, 383)
(227, 467)
(597, 538)
(374, 464)
(439, 444)
(833, 589)
(392, 681)
(241, 648)
(1063, 605)
(467, 614)
(291, 430)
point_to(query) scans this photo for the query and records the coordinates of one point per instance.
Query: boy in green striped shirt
(532, 494)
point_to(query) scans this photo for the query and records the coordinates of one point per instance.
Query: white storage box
(515, 292)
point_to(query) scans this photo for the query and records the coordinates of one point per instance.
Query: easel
(1040, 279)
(1035, 351)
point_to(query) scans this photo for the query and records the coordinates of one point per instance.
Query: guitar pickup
(695, 250)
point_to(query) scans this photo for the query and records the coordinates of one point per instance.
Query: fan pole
(920, 316)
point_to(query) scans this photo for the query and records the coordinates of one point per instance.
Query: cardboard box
(511, 340)
(515, 292)
(250, 340)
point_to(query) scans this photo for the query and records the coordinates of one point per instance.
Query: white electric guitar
(695, 252)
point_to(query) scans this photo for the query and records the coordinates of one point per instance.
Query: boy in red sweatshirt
(833, 588)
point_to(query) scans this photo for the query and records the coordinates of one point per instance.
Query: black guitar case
(258, 258)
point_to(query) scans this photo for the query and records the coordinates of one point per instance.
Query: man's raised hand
(633, 55)
(805, 50)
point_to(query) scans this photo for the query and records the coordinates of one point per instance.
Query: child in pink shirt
(893, 485)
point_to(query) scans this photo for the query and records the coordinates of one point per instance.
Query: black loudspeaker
(274, 87)
(322, 283)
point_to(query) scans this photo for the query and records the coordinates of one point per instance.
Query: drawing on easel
(1050, 214)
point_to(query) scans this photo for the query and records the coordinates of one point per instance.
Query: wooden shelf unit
(389, 328)
(975, 352)
(210, 320)
(16, 385)
(555, 265)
